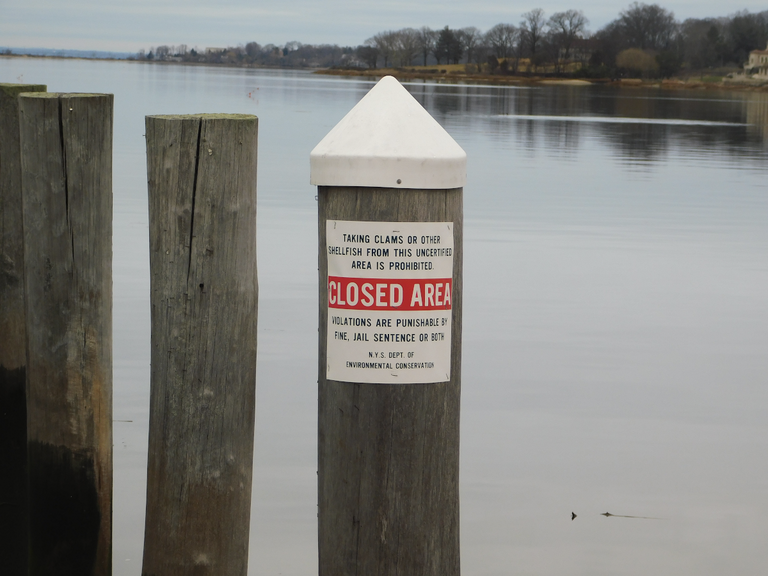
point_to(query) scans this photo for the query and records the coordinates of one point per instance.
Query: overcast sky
(128, 25)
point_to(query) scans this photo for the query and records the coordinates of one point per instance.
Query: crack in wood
(194, 195)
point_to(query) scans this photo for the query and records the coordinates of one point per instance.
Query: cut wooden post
(13, 354)
(390, 233)
(204, 295)
(66, 161)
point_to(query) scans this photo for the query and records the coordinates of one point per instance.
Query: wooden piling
(388, 413)
(13, 354)
(204, 296)
(388, 454)
(66, 161)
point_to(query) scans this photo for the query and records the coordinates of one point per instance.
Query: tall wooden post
(13, 354)
(204, 295)
(390, 233)
(66, 162)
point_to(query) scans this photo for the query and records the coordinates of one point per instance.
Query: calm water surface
(616, 316)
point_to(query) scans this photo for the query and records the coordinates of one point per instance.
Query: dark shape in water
(608, 514)
(573, 516)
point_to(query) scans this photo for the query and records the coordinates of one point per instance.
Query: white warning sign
(390, 287)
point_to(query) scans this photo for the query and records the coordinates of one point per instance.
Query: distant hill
(65, 53)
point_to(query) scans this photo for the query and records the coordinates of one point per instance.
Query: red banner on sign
(389, 294)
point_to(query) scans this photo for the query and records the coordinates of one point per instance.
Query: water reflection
(757, 116)
(637, 125)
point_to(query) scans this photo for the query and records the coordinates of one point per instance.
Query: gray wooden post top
(16, 89)
(207, 116)
(388, 140)
(54, 95)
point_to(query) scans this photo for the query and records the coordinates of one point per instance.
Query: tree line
(645, 39)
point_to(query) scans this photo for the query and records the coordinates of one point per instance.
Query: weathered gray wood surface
(66, 161)
(204, 295)
(13, 354)
(388, 455)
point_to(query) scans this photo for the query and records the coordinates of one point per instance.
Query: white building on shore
(757, 66)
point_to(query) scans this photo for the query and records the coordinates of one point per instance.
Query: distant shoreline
(532, 80)
(440, 74)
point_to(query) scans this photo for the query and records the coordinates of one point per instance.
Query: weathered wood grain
(66, 162)
(13, 354)
(204, 296)
(388, 455)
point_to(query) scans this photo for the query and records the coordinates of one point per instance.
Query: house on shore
(757, 66)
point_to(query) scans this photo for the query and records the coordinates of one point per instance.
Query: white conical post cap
(388, 140)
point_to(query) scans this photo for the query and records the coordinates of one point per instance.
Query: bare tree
(369, 55)
(518, 50)
(501, 38)
(406, 46)
(533, 26)
(427, 39)
(162, 52)
(385, 43)
(482, 51)
(469, 37)
(550, 51)
(648, 26)
(566, 27)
